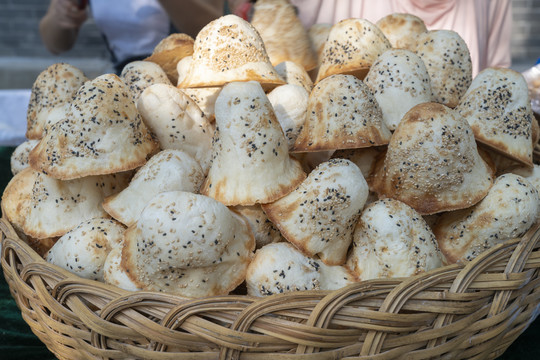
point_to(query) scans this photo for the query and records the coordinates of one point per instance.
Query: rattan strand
(455, 312)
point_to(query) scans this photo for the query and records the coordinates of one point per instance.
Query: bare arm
(60, 25)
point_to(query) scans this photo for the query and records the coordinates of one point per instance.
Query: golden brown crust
(432, 162)
(279, 214)
(58, 206)
(52, 88)
(174, 41)
(535, 129)
(127, 262)
(104, 134)
(139, 75)
(342, 114)
(402, 29)
(497, 107)
(319, 216)
(17, 195)
(284, 36)
(496, 147)
(166, 171)
(348, 48)
(219, 190)
(200, 248)
(464, 234)
(170, 51)
(250, 157)
(448, 62)
(229, 49)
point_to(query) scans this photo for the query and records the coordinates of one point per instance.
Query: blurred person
(484, 25)
(131, 28)
(242, 8)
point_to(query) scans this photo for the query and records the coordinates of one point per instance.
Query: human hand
(67, 14)
(240, 7)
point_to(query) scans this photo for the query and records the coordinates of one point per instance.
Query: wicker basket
(455, 312)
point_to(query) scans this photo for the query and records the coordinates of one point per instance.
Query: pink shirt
(485, 25)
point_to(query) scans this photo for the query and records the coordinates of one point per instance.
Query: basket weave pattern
(472, 311)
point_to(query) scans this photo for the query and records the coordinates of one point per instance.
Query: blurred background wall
(23, 56)
(525, 31)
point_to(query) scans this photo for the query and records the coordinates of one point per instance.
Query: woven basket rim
(241, 320)
(9, 233)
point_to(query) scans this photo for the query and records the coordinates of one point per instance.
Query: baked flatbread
(509, 209)
(177, 122)
(169, 51)
(498, 108)
(432, 163)
(401, 29)
(229, 49)
(250, 156)
(342, 114)
(187, 244)
(104, 134)
(284, 36)
(392, 240)
(281, 268)
(448, 63)
(84, 249)
(168, 170)
(398, 80)
(138, 75)
(53, 87)
(319, 216)
(352, 46)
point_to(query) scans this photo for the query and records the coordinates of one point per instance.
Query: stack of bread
(237, 167)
